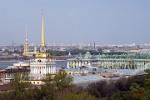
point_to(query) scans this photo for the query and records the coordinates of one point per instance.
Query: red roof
(5, 87)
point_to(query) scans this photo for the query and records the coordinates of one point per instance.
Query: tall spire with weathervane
(42, 53)
(43, 34)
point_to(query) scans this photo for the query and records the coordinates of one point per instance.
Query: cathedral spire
(26, 46)
(26, 40)
(43, 34)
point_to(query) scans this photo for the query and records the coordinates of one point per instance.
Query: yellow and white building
(43, 63)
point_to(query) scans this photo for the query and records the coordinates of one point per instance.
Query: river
(5, 64)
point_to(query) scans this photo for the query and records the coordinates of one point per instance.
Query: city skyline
(67, 21)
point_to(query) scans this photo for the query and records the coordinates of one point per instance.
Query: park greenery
(60, 87)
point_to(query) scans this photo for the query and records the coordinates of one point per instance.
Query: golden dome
(42, 55)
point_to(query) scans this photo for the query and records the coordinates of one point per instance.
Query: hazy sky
(76, 21)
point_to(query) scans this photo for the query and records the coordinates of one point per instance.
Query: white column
(48, 69)
(34, 70)
(45, 69)
(68, 64)
(52, 70)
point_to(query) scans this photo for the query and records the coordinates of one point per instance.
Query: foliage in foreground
(133, 88)
(60, 87)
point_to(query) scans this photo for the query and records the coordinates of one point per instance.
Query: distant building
(80, 61)
(124, 61)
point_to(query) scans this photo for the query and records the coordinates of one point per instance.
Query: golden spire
(26, 46)
(43, 34)
(26, 40)
(42, 53)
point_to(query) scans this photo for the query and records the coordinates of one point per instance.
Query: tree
(61, 80)
(147, 71)
(123, 84)
(137, 92)
(78, 96)
(19, 84)
(121, 95)
(102, 89)
(53, 85)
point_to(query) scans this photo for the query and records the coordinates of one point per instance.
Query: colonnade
(110, 63)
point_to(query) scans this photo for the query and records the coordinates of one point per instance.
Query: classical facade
(108, 62)
(80, 61)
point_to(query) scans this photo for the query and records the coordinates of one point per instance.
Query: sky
(75, 21)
